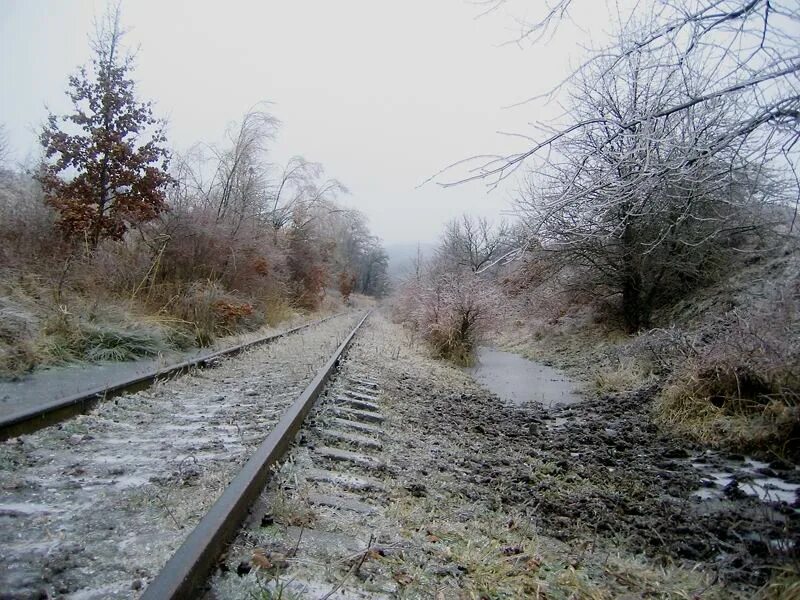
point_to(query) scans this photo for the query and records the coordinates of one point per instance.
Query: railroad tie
(363, 382)
(357, 403)
(356, 458)
(370, 398)
(344, 480)
(351, 439)
(352, 504)
(354, 414)
(357, 426)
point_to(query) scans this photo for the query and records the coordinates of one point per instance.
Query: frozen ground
(472, 497)
(94, 507)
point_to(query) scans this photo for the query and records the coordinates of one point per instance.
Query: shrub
(450, 308)
(740, 386)
(209, 311)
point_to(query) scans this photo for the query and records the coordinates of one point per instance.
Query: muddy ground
(486, 500)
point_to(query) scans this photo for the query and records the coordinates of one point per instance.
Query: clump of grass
(211, 312)
(741, 390)
(66, 337)
(784, 585)
(625, 376)
(720, 416)
(277, 309)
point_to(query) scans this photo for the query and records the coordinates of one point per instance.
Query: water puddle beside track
(518, 380)
(746, 477)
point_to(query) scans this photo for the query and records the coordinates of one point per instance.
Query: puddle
(750, 477)
(518, 380)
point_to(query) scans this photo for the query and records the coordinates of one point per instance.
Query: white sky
(382, 93)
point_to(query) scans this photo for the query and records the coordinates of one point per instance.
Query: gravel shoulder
(476, 499)
(93, 508)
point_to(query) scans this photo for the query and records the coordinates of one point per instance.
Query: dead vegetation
(724, 359)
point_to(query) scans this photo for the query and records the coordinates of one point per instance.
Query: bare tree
(738, 49)
(240, 178)
(289, 189)
(655, 209)
(676, 137)
(298, 188)
(474, 242)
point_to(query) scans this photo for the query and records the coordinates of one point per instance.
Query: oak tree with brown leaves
(106, 163)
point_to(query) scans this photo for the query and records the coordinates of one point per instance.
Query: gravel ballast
(92, 508)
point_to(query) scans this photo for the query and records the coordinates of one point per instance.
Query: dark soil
(597, 475)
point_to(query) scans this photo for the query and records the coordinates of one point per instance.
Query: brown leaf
(403, 578)
(260, 559)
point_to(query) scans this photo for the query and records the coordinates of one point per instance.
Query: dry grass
(626, 376)
(500, 555)
(739, 385)
(784, 585)
(771, 425)
(36, 330)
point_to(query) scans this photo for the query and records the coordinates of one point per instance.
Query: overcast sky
(382, 93)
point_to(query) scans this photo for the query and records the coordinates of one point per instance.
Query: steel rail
(189, 567)
(29, 420)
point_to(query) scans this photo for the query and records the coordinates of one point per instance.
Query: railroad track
(43, 414)
(187, 570)
(83, 501)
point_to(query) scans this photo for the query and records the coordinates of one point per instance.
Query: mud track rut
(93, 507)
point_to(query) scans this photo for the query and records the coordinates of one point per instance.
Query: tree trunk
(635, 312)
